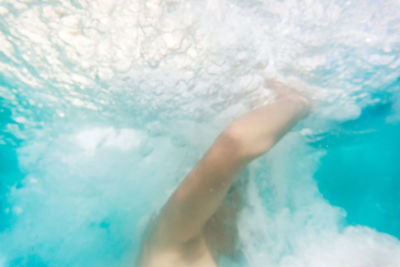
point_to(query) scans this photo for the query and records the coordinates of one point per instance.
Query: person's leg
(221, 231)
(202, 192)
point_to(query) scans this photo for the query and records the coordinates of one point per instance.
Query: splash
(100, 93)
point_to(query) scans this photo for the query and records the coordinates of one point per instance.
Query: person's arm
(203, 190)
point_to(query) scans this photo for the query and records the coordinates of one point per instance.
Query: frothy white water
(196, 58)
(117, 100)
(288, 223)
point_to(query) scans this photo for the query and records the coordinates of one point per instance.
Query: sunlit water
(105, 105)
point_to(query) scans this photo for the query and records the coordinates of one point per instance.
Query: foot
(289, 91)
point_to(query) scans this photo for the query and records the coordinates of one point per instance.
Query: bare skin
(194, 227)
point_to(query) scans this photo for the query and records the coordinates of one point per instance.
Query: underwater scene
(106, 105)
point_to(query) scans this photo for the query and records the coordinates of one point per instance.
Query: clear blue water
(360, 172)
(106, 105)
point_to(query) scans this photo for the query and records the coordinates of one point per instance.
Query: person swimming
(198, 223)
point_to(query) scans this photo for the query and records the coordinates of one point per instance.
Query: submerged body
(198, 223)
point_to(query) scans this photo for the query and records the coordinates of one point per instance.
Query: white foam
(290, 224)
(356, 246)
(395, 115)
(120, 45)
(164, 65)
(347, 111)
(123, 139)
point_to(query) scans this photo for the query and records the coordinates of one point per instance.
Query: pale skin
(191, 229)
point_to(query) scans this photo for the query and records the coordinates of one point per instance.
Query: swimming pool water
(360, 173)
(106, 105)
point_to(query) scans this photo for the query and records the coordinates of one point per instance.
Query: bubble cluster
(113, 101)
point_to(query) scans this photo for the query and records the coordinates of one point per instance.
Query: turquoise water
(106, 105)
(360, 172)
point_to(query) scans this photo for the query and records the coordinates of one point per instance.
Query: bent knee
(243, 143)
